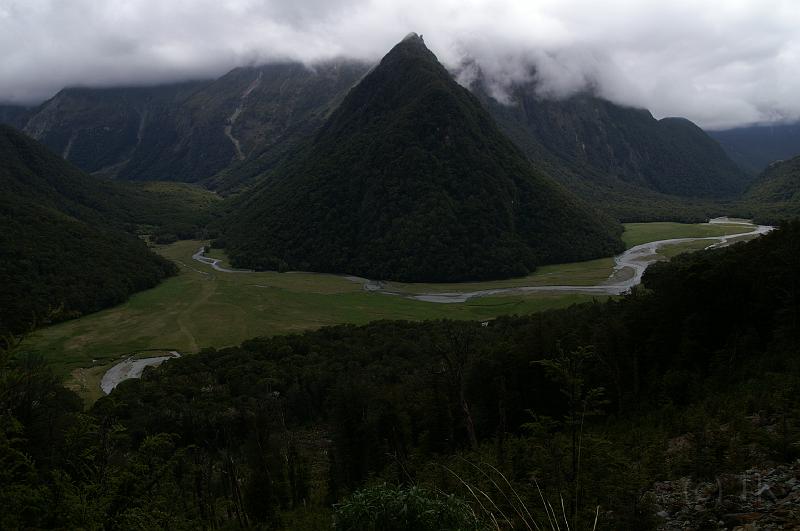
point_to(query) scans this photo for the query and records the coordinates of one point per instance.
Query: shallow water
(130, 368)
(628, 269)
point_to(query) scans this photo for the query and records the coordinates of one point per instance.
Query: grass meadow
(202, 308)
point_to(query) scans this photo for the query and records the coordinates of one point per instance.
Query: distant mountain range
(620, 158)
(598, 141)
(188, 132)
(756, 147)
(392, 171)
(231, 132)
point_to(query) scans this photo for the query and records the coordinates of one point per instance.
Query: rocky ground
(756, 499)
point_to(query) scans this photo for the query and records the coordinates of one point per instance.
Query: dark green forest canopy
(271, 432)
(410, 179)
(690, 309)
(775, 195)
(62, 245)
(619, 159)
(317, 415)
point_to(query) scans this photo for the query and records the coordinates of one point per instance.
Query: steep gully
(228, 129)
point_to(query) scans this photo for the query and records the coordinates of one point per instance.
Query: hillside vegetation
(410, 179)
(775, 195)
(63, 241)
(231, 133)
(590, 405)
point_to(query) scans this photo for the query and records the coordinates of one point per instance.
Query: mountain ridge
(187, 131)
(604, 144)
(230, 133)
(753, 148)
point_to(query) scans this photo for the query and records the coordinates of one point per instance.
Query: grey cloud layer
(719, 63)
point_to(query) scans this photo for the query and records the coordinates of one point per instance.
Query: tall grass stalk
(505, 490)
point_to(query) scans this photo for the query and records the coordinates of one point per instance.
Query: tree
(456, 351)
(568, 370)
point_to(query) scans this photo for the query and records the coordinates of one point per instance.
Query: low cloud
(720, 64)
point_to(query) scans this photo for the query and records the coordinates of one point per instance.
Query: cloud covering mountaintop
(719, 63)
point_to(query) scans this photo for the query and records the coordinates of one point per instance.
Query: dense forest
(57, 268)
(775, 195)
(433, 425)
(410, 179)
(68, 241)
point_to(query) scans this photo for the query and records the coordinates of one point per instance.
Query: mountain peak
(412, 45)
(410, 179)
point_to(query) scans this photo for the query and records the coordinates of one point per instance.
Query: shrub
(389, 508)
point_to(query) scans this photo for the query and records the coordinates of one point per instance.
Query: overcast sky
(719, 63)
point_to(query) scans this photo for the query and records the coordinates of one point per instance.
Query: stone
(740, 519)
(730, 483)
(779, 491)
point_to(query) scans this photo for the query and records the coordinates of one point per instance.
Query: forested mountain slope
(269, 110)
(229, 133)
(410, 179)
(775, 195)
(61, 241)
(756, 147)
(189, 131)
(619, 155)
(102, 130)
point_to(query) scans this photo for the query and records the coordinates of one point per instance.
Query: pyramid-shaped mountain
(410, 179)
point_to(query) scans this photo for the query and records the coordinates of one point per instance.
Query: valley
(210, 305)
(202, 307)
(467, 283)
